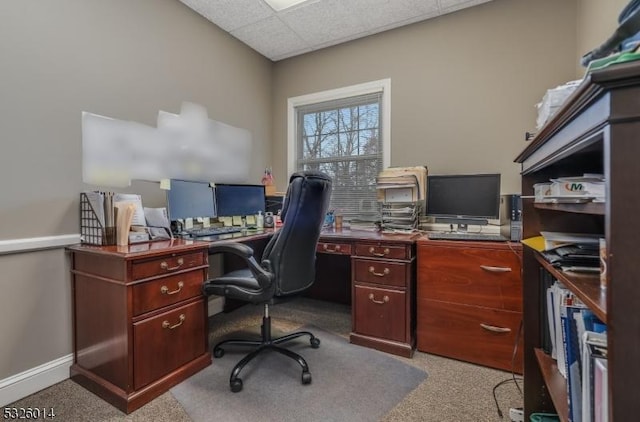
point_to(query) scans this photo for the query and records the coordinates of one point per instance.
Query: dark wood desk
(374, 273)
(140, 320)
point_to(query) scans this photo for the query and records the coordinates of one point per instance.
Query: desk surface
(325, 235)
(164, 246)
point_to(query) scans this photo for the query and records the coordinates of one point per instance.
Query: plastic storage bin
(544, 417)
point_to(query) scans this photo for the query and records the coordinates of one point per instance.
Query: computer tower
(511, 217)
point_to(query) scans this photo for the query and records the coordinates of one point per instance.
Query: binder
(594, 348)
(572, 357)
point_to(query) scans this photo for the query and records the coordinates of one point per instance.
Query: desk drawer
(166, 265)
(380, 313)
(167, 341)
(334, 248)
(472, 276)
(373, 250)
(470, 333)
(166, 291)
(381, 272)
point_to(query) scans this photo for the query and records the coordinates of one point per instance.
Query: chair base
(266, 343)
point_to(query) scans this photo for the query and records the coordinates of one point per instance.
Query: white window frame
(382, 85)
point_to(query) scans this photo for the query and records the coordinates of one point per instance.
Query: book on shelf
(582, 339)
(572, 358)
(594, 348)
(548, 340)
(556, 296)
(600, 391)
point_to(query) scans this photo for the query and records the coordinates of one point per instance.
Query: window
(344, 133)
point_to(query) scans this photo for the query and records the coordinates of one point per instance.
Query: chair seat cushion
(238, 281)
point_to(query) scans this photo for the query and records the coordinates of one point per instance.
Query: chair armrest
(263, 275)
(239, 249)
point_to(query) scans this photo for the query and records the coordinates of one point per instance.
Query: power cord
(513, 373)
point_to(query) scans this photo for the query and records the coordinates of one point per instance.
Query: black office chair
(287, 267)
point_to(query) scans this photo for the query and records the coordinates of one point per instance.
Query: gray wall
(463, 85)
(464, 88)
(118, 58)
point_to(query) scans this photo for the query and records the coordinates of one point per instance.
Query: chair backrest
(292, 250)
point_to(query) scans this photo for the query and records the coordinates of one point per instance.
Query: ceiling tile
(270, 37)
(376, 13)
(448, 6)
(322, 21)
(231, 14)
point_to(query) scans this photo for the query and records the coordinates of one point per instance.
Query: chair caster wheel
(236, 385)
(315, 342)
(306, 377)
(218, 353)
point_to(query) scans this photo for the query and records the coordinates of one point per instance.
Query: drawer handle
(165, 290)
(495, 329)
(373, 252)
(166, 266)
(336, 248)
(386, 271)
(496, 269)
(384, 300)
(167, 324)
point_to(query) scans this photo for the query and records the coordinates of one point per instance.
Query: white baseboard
(35, 379)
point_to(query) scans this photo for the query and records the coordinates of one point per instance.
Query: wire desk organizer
(92, 229)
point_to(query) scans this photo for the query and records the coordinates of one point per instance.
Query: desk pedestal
(382, 287)
(140, 320)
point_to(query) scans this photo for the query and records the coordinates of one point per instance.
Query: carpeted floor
(453, 391)
(273, 381)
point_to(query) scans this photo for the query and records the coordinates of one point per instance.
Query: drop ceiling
(316, 24)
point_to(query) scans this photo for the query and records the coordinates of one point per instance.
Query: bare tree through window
(342, 138)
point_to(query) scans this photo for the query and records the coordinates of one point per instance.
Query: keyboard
(466, 236)
(213, 231)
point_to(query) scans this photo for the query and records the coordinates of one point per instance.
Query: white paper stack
(553, 100)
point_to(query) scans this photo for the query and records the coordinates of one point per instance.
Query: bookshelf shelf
(595, 131)
(555, 382)
(596, 208)
(585, 286)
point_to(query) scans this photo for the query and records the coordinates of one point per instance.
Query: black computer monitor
(233, 200)
(463, 199)
(188, 199)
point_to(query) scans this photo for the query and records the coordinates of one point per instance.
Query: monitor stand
(462, 224)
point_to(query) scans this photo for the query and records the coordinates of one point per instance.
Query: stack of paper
(364, 224)
(402, 192)
(553, 100)
(400, 216)
(402, 184)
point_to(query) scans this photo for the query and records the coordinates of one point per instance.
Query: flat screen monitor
(239, 200)
(463, 199)
(188, 199)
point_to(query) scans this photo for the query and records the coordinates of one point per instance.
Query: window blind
(342, 138)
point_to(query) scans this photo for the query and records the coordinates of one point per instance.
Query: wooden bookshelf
(595, 131)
